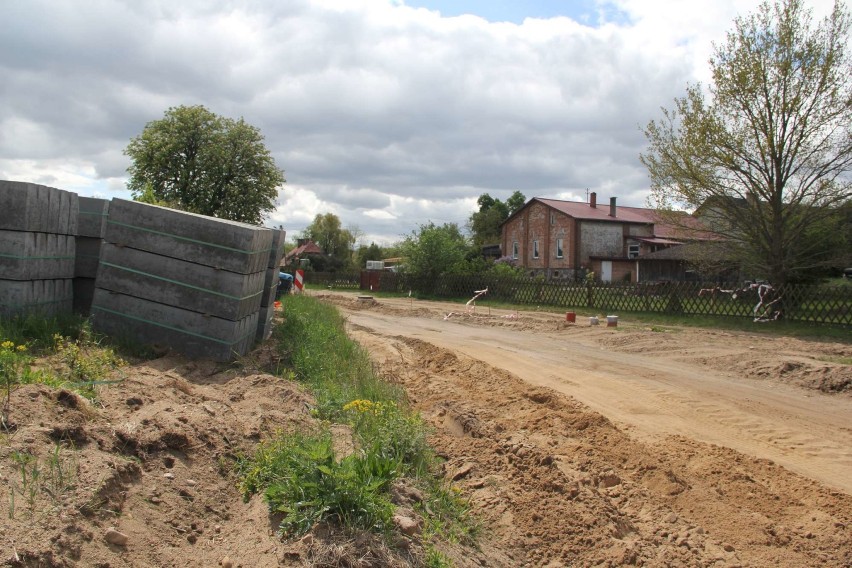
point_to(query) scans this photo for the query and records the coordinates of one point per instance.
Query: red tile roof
(681, 226)
(309, 247)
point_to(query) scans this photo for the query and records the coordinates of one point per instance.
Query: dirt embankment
(555, 483)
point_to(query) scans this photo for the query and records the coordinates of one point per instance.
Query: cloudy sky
(387, 113)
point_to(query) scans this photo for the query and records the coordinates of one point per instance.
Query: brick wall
(537, 222)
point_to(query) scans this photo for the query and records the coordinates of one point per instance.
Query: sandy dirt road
(635, 445)
(655, 393)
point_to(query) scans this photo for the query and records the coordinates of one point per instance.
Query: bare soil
(576, 445)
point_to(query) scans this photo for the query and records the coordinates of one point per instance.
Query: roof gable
(309, 247)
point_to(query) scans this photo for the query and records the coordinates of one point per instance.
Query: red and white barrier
(299, 281)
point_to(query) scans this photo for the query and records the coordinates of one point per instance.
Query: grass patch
(40, 483)
(302, 479)
(300, 475)
(336, 369)
(59, 352)
(840, 360)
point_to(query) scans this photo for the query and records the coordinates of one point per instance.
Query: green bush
(307, 484)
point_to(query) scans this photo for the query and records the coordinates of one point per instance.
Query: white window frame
(633, 251)
(515, 250)
(535, 248)
(560, 253)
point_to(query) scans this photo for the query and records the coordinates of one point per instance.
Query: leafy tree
(335, 241)
(365, 253)
(515, 202)
(485, 224)
(194, 160)
(432, 250)
(765, 151)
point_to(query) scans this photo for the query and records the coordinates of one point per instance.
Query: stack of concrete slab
(91, 226)
(37, 248)
(190, 282)
(270, 285)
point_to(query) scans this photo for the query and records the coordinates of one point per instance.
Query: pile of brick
(38, 225)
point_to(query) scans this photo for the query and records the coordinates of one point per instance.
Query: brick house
(566, 239)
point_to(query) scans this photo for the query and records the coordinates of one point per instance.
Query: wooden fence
(816, 304)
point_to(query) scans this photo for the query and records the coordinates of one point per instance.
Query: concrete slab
(265, 323)
(228, 245)
(277, 251)
(87, 257)
(38, 208)
(270, 287)
(91, 221)
(43, 297)
(26, 255)
(84, 292)
(185, 331)
(176, 282)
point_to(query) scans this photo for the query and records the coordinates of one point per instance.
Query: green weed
(306, 484)
(87, 361)
(14, 361)
(299, 475)
(51, 477)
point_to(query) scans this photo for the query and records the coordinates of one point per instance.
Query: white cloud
(385, 115)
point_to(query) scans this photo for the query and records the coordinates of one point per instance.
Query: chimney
(593, 200)
(612, 206)
(300, 242)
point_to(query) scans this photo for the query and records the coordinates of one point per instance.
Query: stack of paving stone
(270, 285)
(37, 228)
(189, 282)
(91, 225)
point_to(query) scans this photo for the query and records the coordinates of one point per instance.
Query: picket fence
(805, 303)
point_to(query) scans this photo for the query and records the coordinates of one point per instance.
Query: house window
(515, 250)
(552, 218)
(535, 249)
(632, 251)
(559, 253)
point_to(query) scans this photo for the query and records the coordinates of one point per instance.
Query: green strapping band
(98, 213)
(179, 283)
(19, 257)
(192, 333)
(187, 239)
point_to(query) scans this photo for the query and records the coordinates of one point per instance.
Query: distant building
(304, 249)
(567, 239)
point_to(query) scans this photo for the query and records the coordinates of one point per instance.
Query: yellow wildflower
(359, 405)
(7, 345)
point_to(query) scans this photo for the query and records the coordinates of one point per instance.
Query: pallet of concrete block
(36, 297)
(226, 245)
(92, 219)
(276, 253)
(91, 225)
(152, 323)
(27, 255)
(37, 208)
(270, 285)
(177, 282)
(183, 266)
(37, 248)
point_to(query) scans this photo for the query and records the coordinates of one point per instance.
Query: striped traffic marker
(300, 280)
